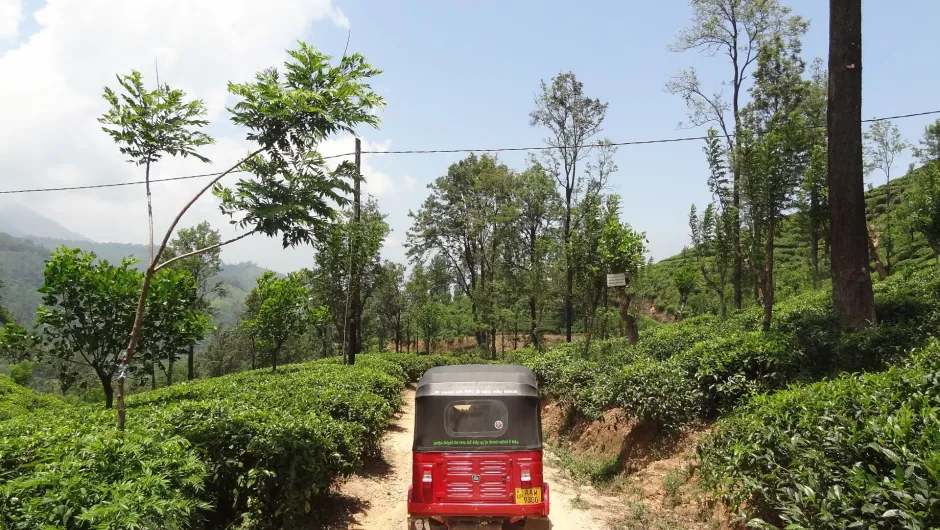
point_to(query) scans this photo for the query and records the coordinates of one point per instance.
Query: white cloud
(11, 14)
(50, 134)
(410, 182)
(339, 18)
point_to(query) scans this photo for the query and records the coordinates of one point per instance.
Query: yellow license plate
(528, 495)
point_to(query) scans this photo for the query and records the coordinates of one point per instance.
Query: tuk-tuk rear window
(483, 417)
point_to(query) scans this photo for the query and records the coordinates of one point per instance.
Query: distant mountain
(28, 238)
(20, 221)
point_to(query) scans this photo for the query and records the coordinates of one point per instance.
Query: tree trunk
(875, 255)
(277, 350)
(889, 240)
(629, 323)
(493, 338)
(169, 372)
(153, 374)
(769, 277)
(852, 296)
(533, 325)
(737, 269)
(108, 389)
(190, 367)
(569, 273)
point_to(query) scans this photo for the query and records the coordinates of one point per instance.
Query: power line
(430, 151)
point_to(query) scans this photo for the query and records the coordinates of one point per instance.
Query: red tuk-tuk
(477, 454)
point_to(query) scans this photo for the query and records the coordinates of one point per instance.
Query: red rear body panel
(475, 484)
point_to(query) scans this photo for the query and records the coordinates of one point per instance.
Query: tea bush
(258, 448)
(730, 367)
(660, 394)
(860, 451)
(665, 341)
(66, 470)
(16, 400)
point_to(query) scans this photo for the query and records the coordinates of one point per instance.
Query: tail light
(427, 477)
(526, 474)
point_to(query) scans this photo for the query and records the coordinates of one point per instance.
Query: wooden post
(354, 280)
(119, 395)
(852, 295)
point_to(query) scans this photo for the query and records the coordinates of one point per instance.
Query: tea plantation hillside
(792, 271)
(256, 449)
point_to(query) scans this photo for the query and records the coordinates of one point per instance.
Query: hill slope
(792, 272)
(22, 262)
(20, 221)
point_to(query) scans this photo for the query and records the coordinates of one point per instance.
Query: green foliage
(281, 312)
(289, 115)
(65, 470)
(22, 373)
(665, 341)
(659, 394)
(253, 448)
(17, 400)
(924, 204)
(89, 308)
(733, 366)
(147, 124)
(859, 451)
(88, 311)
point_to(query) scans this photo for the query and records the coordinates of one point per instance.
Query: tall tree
(813, 195)
(622, 250)
(924, 197)
(335, 260)
(883, 143)
(202, 267)
(463, 221)
(174, 323)
(148, 124)
(538, 206)
(572, 119)
(774, 149)
(713, 232)
(282, 313)
(389, 304)
(293, 191)
(735, 29)
(852, 294)
(813, 204)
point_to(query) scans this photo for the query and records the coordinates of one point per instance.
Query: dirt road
(375, 499)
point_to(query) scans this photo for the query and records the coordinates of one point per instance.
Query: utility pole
(354, 322)
(852, 296)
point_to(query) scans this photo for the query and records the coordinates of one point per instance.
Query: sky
(457, 74)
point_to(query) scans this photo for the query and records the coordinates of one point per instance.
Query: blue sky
(457, 75)
(464, 74)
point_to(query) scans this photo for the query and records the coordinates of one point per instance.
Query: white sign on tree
(616, 280)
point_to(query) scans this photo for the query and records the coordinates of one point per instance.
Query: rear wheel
(537, 523)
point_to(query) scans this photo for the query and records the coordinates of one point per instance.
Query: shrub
(856, 452)
(659, 394)
(22, 373)
(733, 366)
(265, 444)
(70, 471)
(16, 400)
(665, 341)
(563, 374)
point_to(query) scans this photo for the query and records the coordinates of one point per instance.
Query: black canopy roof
(478, 379)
